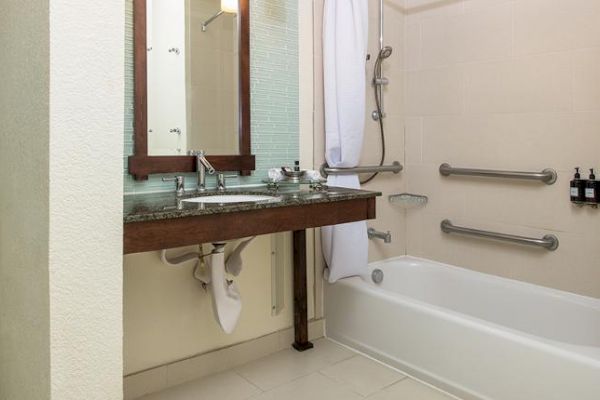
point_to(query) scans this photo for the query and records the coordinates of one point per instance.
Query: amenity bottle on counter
(578, 188)
(591, 189)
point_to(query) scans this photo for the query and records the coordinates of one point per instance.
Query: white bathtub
(475, 335)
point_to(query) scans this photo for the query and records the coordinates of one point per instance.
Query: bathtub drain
(377, 276)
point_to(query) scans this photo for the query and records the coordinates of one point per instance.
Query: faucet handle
(221, 180)
(179, 184)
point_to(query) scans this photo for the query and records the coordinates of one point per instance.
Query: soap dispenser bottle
(578, 188)
(591, 189)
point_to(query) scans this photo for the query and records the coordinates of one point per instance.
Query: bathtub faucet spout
(385, 236)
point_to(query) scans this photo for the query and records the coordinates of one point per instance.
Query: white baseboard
(178, 372)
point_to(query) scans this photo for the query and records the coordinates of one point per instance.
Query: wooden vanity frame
(177, 232)
(140, 163)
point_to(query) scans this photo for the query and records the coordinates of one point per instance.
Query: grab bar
(395, 167)
(548, 176)
(549, 242)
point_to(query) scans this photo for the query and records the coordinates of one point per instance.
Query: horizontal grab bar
(396, 167)
(548, 176)
(549, 242)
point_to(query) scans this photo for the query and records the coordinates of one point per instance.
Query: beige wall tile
(530, 84)
(534, 106)
(421, 9)
(568, 268)
(434, 91)
(413, 132)
(412, 45)
(474, 36)
(554, 25)
(586, 80)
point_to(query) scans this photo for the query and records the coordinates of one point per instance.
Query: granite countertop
(166, 205)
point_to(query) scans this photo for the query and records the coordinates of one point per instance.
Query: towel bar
(548, 176)
(549, 242)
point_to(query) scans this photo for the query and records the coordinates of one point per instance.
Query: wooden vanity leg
(301, 342)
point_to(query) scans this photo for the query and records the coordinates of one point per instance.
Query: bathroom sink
(233, 198)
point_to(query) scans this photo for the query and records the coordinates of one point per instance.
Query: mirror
(193, 76)
(192, 86)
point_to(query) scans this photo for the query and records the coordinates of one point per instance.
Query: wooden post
(301, 342)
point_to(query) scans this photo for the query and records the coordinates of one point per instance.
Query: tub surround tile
(511, 85)
(547, 26)
(363, 375)
(462, 38)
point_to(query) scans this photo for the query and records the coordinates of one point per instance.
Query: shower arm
(211, 19)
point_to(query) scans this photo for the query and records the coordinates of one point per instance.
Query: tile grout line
(260, 390)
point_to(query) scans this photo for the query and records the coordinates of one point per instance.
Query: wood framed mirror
(169, 73)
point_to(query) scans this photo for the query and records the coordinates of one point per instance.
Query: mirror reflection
(193, 76)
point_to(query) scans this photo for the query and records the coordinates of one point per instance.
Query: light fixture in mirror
(193, 77)
(229, 6)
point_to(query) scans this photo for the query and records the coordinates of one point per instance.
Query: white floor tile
(331, 352)
(282, 367)
(225, 386)
(312, 387)
(409, 389)
(363, 375)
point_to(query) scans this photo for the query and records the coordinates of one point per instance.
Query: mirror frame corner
(140, 164)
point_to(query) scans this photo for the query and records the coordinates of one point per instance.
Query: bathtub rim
(576, 298)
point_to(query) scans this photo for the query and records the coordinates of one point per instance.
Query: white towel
(345, 35)
(226, 299)
(234, 263)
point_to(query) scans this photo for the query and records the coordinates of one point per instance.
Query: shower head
(385, 52)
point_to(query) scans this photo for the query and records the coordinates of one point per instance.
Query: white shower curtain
(345, 35)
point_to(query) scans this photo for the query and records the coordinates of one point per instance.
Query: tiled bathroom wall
(274, 91)
(499, 84)
(509, 85)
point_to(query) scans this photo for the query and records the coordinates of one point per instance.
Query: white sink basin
(233, 198)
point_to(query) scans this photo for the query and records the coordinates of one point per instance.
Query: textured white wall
(86, 191)
(61, 112)
(24, 318)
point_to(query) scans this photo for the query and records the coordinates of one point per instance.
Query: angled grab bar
(395, 167)
(548, 242)
(548, 176)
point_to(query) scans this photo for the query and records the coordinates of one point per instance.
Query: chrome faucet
(385, 236)
(202, 168)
